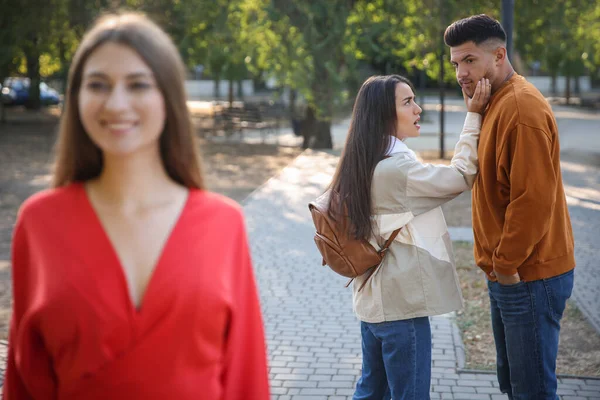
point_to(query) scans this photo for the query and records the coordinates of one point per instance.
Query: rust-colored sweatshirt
(520, 216)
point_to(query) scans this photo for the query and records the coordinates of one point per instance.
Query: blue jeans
(526, 324)
(396, 360)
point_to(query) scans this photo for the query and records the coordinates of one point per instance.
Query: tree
(321, 27)
(552, 33)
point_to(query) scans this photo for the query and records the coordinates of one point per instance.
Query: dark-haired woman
(385, 187)
(131, 281)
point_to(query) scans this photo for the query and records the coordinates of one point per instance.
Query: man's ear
(500, 55)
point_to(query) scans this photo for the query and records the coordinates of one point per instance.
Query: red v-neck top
(75, 333)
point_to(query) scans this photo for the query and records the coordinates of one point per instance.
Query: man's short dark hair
(477, 29)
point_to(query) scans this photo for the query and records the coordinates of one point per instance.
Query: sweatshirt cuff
(505, 270)
(473, 120)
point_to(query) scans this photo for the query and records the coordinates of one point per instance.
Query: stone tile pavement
(313, 336)
(582, 187)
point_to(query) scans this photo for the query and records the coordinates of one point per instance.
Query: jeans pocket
(514, 302)
(558, 290)
(512, 285)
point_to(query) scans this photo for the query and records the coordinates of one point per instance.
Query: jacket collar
(398, 146)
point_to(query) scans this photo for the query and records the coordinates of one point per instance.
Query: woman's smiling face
(121, 107)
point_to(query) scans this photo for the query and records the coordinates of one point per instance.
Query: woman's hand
(478, 102)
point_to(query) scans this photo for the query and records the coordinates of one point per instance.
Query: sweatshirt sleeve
(245, 375)
(525, 165)
(28, 371)
(428, 185)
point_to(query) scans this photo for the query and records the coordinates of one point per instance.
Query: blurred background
(301, 62)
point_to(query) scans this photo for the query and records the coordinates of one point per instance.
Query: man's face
(471, 63)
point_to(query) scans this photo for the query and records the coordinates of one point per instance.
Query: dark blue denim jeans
(396, 360)
(526, 324)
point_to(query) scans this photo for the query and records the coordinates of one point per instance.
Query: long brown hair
(373, 123)
(77, 157)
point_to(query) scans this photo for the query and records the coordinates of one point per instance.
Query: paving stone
(589, 393)
(335, 384)
(474, 383)
(321, 377)
(487, 390)
(291, 377)
(463, 389)
(344, 392)
(299, 384)
(471, 396)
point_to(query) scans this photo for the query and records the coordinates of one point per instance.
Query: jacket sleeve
(525, 166)
(28, 370)
(428, 186)
(245, 375)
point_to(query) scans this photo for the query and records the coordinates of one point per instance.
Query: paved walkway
(313, 336)
(582, 187)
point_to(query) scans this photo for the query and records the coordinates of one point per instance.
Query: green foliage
(316, 47)
(558, 34)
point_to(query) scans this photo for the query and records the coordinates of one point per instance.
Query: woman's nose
(117, 100)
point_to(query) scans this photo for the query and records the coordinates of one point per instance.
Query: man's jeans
(396, 360)
(526, 324)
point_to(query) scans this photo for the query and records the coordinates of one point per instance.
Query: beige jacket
(418, 275)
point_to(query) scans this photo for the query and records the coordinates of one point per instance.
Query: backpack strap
(374, 269)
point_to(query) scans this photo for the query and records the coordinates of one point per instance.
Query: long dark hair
(77, 157)
(373, 123)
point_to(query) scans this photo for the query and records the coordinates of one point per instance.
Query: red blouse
(75, 333)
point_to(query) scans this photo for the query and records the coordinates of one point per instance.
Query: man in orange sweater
(523, 234)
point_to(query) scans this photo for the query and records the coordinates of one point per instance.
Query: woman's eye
(139, 85)
(97, 86)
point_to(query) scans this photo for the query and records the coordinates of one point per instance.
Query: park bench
(234, 119)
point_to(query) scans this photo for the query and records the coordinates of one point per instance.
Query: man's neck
(502, 78)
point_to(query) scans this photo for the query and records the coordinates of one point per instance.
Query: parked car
(15, 92)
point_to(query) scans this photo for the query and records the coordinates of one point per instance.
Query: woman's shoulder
(207, 202)
(396, 163)
(50, 200)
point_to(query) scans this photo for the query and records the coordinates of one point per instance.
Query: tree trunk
(317, 134)
(240, 89)
(553, 83)
(2, 109)
(33, 72)
(568, 89)
(308, 127)
(292, 106)
(230, 97)
(323, 135)
(217, 88)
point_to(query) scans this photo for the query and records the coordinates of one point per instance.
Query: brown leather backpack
(343, 253)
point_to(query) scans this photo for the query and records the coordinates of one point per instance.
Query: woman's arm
(428, 185)
(245, 375)
(28, 370)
